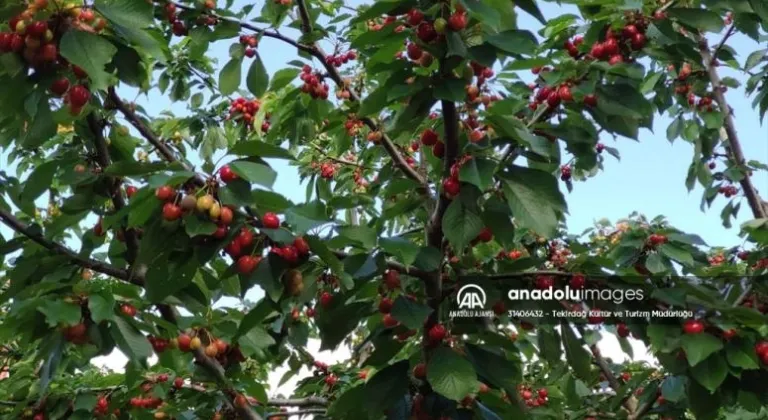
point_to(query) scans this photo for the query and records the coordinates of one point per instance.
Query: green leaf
(42, 127)
(740, 353)
(675, 129)
(254, 172)
(755, 58)
(270, 201)
(489, 15)
(428, 259)
(578, 357)
(696, 18)
(534, 198)
(711, 372)
(761, 9)
(257, 79)
(374, 102)
(365, 236)
(451, 375)
(261, 149)
(255, 340)
(456, 45)
(321, 250)
(623, 100)
(700, 346)
(283, 78)
(478, 172)
(494, 367)
(39, 180)
(531, 8)
(410, 313)
(514, 42)
(130, 341)
(461, 225)
(307, 216)
(655, 264)
(59, 312)
(402, 249)
(673, 388)
(91, 53)
(678, 254)
(230, 76)
(338, 321)
(136, 14)
(164, 280)
(450, 90)
(195, 226)
(102, 307)
(131, 168)
(385, 388)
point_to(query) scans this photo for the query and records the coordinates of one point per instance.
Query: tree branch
(115, 191)
(306, 20)
(333, 73)
(37, 236)
(298, 402)
(394, 265)
(757, 205)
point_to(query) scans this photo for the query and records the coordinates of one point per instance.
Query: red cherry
(616, 59)
(60, 86)
(178, 382)
(301, 245)
(638, 42)
(390, 321)
(598, 51)
(429, 137)
(485, 235)
(164, 193)
(130, 191)
(183, 342)
(426, 32)
(761, 348)
(553, 100)
(331, 380)
(171, 212)
(233, 249)
(415, 17)
(578, 281)
(420, 371)
(590, 100)
(326, 299)
(79, 96)
(48, 53)
(543, 393)
(527, 395)
(437, 333)
(37, 29)
(128, 310)
(250, 52)
(693, 326)
(271, 221)
(439, 150)
(451, 187)
(565, 93)
(611, 46)
(729, 334)
(543, 282)
(226, 174)
(414, 51)
(622, 330)
(79, 73)
(385, 306)
(245, 237)
(392, 279)
(457, 21)
(246, 264)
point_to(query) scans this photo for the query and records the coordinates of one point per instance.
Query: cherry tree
(430, 162)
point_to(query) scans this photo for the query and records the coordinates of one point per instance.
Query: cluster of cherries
(314, 83)
(512, 255)
(36, 41)
(416, 53)
(76, 334)
(339, 59)
(656, 239)
(617, 47)
(728, 190)
(558, 254)
(327, 170)
(537, 399)
(430, 138)
(451, 185)
(102, 407)
(353, 125)
(565, 172)
(244, 111)
(250, 42)
(293, 252)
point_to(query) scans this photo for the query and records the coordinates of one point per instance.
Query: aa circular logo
(471, 296)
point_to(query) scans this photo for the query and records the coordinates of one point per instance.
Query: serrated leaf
(130, 341)
(91, 53)
(257, 79)
(230, 76)
(102, 307)
(410, 313)
(700, 346)
(534, 198)
(451, 375)
(256, 173)
(461, 225)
